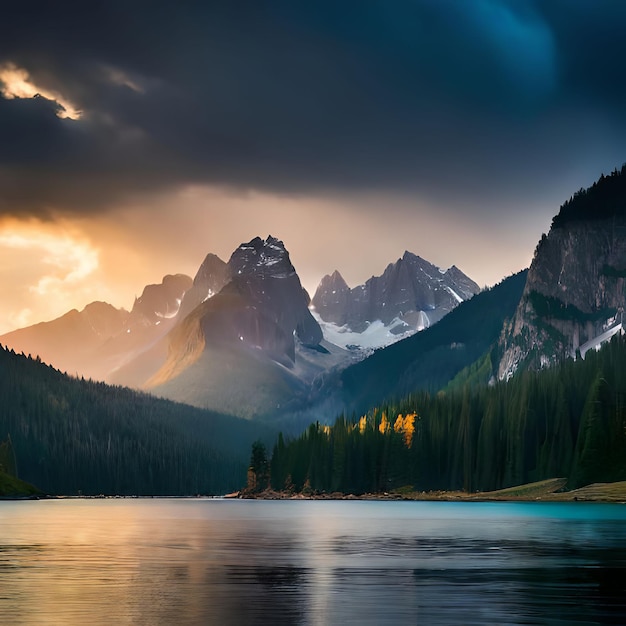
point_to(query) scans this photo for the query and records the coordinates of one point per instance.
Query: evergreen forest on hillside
(606, 198)
(568, 421)
(73, 436)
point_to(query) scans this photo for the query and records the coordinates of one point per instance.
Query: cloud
(16, 83)
(519, 41)
(70, 260)
(458, 103)
(119, 77)
(47, 269)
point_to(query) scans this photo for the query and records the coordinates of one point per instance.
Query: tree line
(606, 198)
(568, 421)
(72, 436)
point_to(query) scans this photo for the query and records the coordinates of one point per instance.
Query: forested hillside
(606, 198)
(569, 421)
(74, 436)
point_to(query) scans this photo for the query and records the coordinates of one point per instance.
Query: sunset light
(54, 267)
(15, 82)
(313, 312)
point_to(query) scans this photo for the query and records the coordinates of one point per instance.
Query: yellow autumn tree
(409, 428)
(398, 425)
(406, 426)
(362, 424)
(383, 427)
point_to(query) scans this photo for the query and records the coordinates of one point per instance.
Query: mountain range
(243, 337)
(410, 295)
(98, 340)
(542, 392)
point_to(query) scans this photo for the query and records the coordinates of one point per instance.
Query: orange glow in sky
(46, 269)
(49, 267)
(16, 83)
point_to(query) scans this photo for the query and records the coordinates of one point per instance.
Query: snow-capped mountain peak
(261, 257)
(409, 296)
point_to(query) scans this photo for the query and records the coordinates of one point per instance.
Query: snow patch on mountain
(375, 336)
(453, 293)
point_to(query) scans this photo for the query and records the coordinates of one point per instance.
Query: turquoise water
(162, 561)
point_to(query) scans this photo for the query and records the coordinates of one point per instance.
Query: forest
(606, 198)
(73, 436)
(568, 422)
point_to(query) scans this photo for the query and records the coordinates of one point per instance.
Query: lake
(201, 561)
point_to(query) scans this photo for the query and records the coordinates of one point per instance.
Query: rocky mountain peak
(338, 280)
(332, 283)
(211, 276)
(262, 273)
(461, 283)
(103, 318)
(256, 317)
(261, 258)
(411, 294)
(162, 300)
(211, 272)
(332, 298)
(413, 258)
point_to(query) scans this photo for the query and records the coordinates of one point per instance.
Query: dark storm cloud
(449, 99)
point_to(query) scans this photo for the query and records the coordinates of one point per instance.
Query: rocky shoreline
(547, 491)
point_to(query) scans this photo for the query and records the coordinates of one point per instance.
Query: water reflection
(223, 562)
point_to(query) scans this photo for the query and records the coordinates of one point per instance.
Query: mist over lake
(188, 561)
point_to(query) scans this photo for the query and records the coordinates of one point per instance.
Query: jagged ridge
(410, 294)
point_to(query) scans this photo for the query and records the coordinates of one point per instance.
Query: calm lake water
(200, 561)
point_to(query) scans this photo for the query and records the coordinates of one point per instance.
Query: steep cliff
(575, 291)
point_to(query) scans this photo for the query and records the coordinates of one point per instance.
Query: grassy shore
(11, 487)
(551, 490)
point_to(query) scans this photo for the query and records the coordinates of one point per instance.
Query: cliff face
(575, 292)
(263, 275)
(162, 301)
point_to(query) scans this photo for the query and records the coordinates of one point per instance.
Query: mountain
(430, 359)
(97, 341)
(159, 302)
(211, 276)
(575, 294)
(252, 348)
(69, 436)
(69, 340)
(240, 338)
(410, 295)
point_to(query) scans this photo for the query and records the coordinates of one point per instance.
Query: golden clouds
(50, 267)
(67, 260)
(47, 269)
(15, 82)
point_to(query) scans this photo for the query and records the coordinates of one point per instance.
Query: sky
(136, 137)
